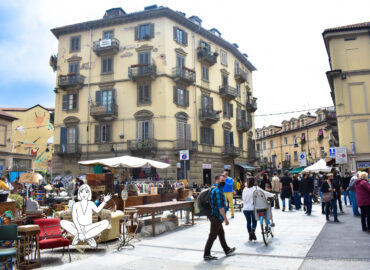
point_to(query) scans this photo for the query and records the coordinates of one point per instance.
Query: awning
(296, 170)
(246, 167)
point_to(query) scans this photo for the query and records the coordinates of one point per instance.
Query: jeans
(308, 202)
(353, 197)
(251, 218)
(297, 200)
(333, 204)
(345, 194)
(339, 196)
(216, 230)
(290, 203)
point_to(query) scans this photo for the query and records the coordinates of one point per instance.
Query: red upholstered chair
(51, 234)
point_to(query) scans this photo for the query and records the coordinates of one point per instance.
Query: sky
(283, 40)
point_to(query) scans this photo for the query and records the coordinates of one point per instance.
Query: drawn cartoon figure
(39, 119)
(34, 151)
(82, 227)
(20, 129)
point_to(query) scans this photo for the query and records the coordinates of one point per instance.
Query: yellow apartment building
(149, 84)
(32, 134)
(278, 147)
(10, 161)
(348, 48)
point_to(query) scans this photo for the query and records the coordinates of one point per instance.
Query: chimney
(195, 20)
(215, 32)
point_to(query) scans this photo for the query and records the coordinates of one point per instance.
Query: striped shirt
(217, 201)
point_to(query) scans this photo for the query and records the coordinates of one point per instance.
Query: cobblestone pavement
(300, 242)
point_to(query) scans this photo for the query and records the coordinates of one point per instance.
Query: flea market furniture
(8, 205)
(8, 234)
(160, 207)
(128, 228)
(51, 234)
(28, 248)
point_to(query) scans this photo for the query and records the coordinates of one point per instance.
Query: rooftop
(25, 109)
(7, 115)
(351, 27)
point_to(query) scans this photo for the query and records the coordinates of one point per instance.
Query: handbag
(327, 196)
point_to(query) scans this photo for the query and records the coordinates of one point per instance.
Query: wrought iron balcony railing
(106, 46)
(142, 71)
(184, 75)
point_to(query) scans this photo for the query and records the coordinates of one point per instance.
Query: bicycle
(267, 228)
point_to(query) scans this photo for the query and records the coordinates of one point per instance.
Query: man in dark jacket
(345, 183)
(306, 189)
(337, 184)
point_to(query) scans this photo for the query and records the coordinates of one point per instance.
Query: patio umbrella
(319, 166)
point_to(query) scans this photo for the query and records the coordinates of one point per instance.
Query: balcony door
(228, 138)
(106, 98)
(180, 61)
(144, 130)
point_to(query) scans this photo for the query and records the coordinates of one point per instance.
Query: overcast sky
(282, 39)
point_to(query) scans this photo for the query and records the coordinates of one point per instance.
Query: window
(238, 89)
(320, 117)
(205, 73)
(205, 45)
(144, 58)
(295, 156)
(286, 140)
(264, 133)
(103, 133)
(228, 138)
(287, 156)
(240, 135)
(69, 139)
(322, 152)
(183, 134)
(180, 36)
(144, 130)
(227, 110)
(108, 34)
(180, 61)
(21, 164)
(302, 123)
(237, 67)
(258, 135)
(295, 139)
(264, 145)
(69, 102)
(207, 103)
(293, 125)
(144, 93)
(206, 135)
(180, 96)
(258, 147)
(2, 135)
(223, 55)
(144, 31)
(271, 144)
(75, 44)
(285, 128)
(106, 98)
(107, 65)
(74, 68)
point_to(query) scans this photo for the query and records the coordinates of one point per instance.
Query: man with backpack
(217, 217)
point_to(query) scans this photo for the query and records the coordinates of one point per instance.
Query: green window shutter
(187, 98)
(97, 134)
(224, 108)
(108, 128)
(212, 136)
(151, 130)
(175, 33)
(65, 103)
(140, 129)
(175, 95)
(180, 130)
(98, 95)
(76, 135)
(185, 38)
(140, 93)
(231, 110)
(75, 101)
(188, 132)
(151, 26)
(137, 32)
(211, 103)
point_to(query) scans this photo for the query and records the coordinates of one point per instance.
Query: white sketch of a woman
(82, 227)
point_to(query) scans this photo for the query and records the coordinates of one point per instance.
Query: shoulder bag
(327, 196)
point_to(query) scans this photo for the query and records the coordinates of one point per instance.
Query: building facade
(348, 48)
(279, 146)
(150, 84)
(10, 161)
(32, 134)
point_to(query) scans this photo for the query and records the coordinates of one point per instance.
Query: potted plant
(320, 135)
(18, 202)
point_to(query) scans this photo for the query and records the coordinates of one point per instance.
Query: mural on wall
(39, 119)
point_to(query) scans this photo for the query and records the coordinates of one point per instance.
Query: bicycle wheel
(264, 229)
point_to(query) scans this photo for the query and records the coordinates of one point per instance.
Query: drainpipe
(88, 99)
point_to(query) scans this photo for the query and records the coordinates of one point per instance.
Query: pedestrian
(275, 186)
(296, 192)
(306, 190)
(352, 193)
(229, 192)
(363, 199)
(248, 208)
(337, 182)
(286, 189)
(265, 182)
(345, 183)
(217, 217)
(328, 187)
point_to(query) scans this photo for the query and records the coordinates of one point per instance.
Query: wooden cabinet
(8, 205)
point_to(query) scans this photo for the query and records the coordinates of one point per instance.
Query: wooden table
(160, 207)
(28, 249)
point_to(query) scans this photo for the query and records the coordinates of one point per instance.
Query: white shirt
(248, 197)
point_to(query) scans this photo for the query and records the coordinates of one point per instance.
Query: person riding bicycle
(249, 208)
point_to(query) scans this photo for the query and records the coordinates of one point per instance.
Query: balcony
(106, 46)
(226, 91)
(251, 105)
(253, 155)
(183, 75)
(71, 80)
(142, 71)
(207, 57)
(192, 146)
(104, 112)
(208, 116)
(243, 125)
(67, 149)
(331, 115)
(240, 75)
(230, 151)
(142, 147)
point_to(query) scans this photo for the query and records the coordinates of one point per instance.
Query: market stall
(319, 166)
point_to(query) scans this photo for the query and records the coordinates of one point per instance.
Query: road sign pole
(184, 169)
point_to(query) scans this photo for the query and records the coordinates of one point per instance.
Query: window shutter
(110, 64)
(231, 110)
(151, 131)
(211, 103)
(137, 32)
(212, 133)
(175, 33)
(140, 130)
(224, 109)
(74, 105)
(65, 103)
(147, 93)
(227, 137)
(188, 132)
(204, 102)
(186, 98)
(140, 95)
(238, 114)
(201, 134)
(175, 95)
(231, 138)
(185, 38)
(76, 135)
(244, 115)
(114, 96)
(97, 134)
(151, 26)
(180, 130)
(108, 130)
(98, 95)
(63, 139)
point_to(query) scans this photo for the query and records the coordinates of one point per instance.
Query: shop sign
(207, 166)
(105, 43)
(227, 167)
(341, 155)
(362, 165)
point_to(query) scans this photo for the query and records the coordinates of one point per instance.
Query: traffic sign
(302, 159)
(184, 155)
(332, 152)
(341, 155)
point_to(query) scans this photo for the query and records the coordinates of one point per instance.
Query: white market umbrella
(319, 166)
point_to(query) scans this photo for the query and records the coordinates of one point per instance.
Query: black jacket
(337, 181)
(306, 185)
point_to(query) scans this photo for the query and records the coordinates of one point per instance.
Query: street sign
(184, 155)
(302, 159)
(332, 152)
(341, 155)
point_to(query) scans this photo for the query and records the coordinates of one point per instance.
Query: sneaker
(209, 258)
(91, 242)
(308, 214)
(336, 220)
(232, 216)
(75, 240)
(341, 211)
(272, 224)
(230, 251)
(327, 218)
(254, 235)
(283, 209)
(250, 236)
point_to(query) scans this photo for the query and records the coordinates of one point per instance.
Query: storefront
(363, 165)
(207, 174)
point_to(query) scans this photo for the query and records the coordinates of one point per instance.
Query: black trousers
(216, 230)
(339, 193)
(365, 217)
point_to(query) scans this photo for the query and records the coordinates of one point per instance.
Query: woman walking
(328, 188)
(297, 197)
(248, 208)
(286, 189)
(363, 199)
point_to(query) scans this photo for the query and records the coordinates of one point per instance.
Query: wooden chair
(8, 234)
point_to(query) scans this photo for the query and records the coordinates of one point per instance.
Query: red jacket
(363, 192)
